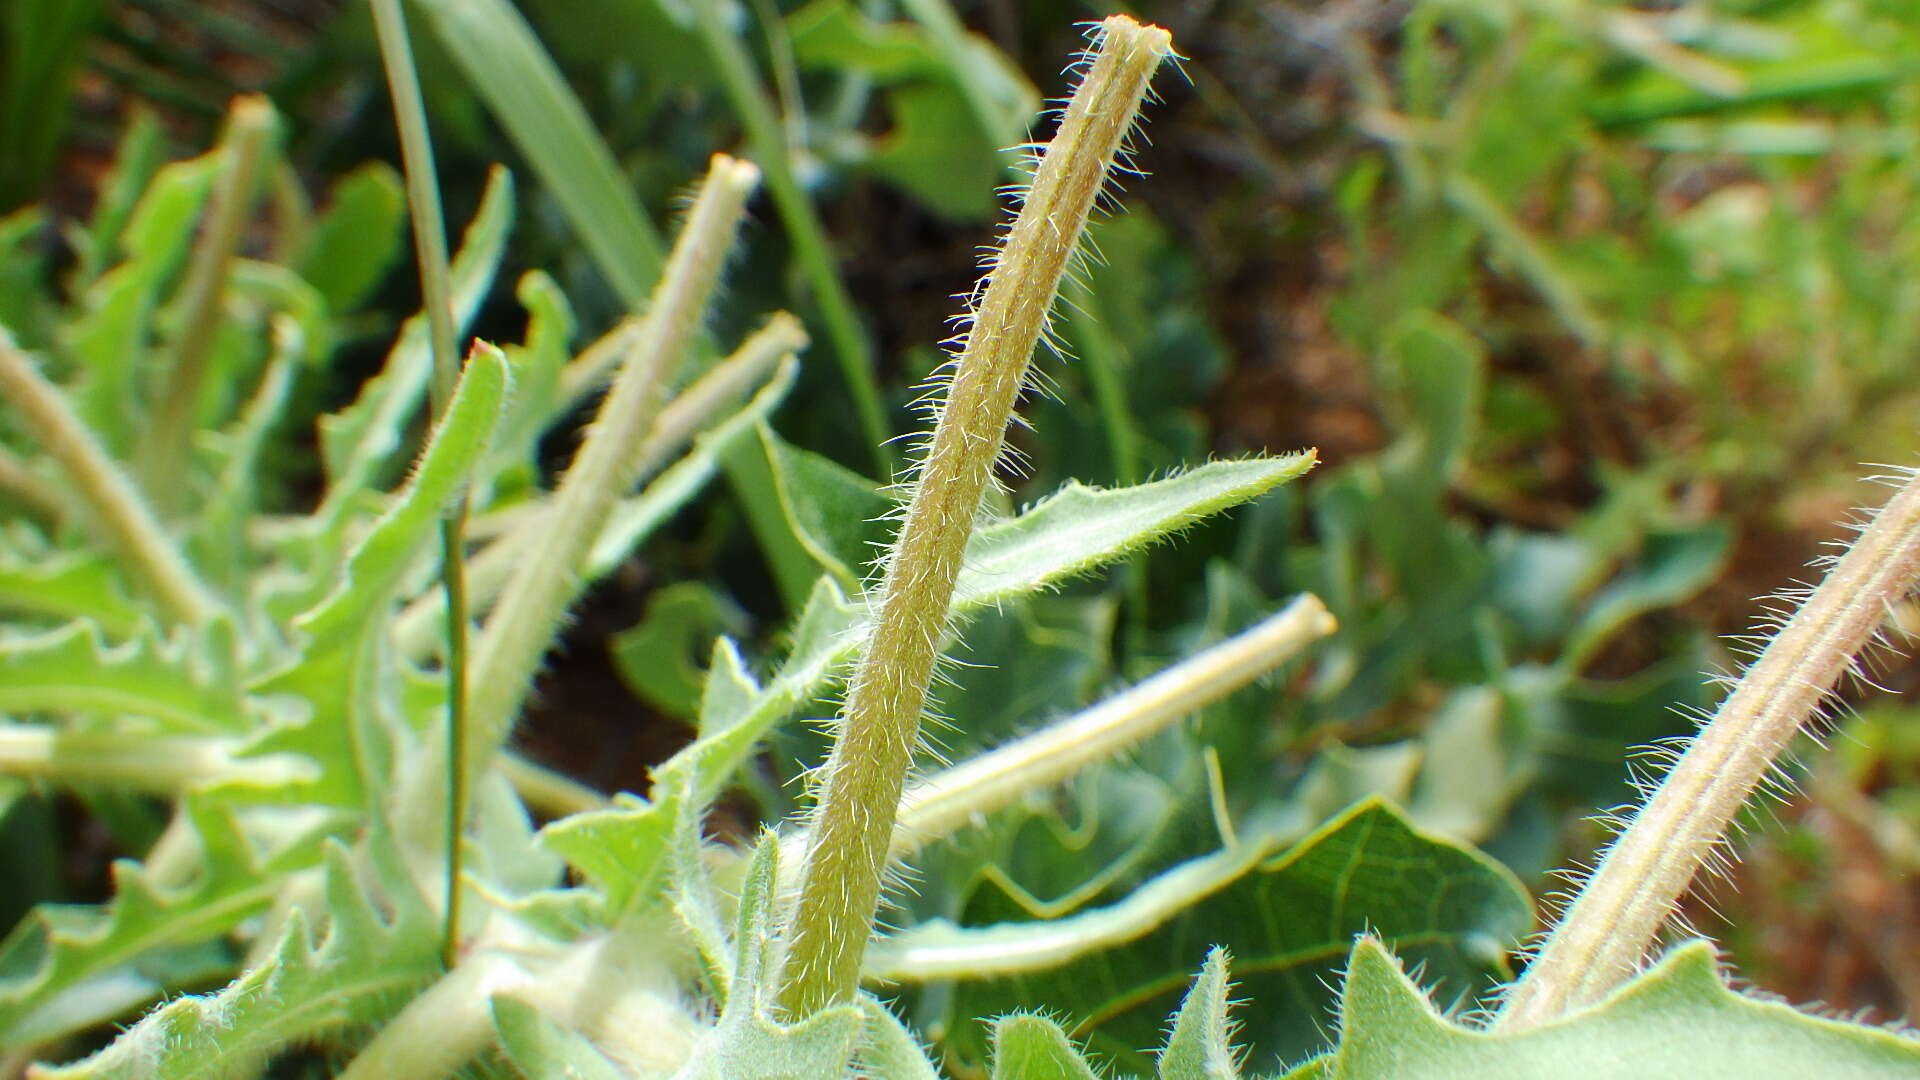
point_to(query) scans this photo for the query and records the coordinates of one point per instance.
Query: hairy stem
(170, 440)
(120, 513)
(994, 779)
(535, 599)
(880, 724)
(1603, 936)
(436, 287)
(679, 421)
(161, 764)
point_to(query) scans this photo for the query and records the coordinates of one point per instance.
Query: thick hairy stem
(170, 439)
(550, 579)
(860, 791)
(1606, 932)
(117, 508)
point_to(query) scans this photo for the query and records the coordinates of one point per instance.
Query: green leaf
(1079, 529)
(67, 967)
(356, 441)
(346, 656)
(356, 241)
(507, 67)
(888, 1050)
(1071, 533)
(381, 944)
(1200, 1047)
(109, 341)
(542, 1049)
(141, 152)
(513, 463)
(69, 585)
(809, 514)
(747, 1043)
(623, 849)
(1034, 1048)
(1289, 923)
(1673, 567)
(1679, 1018)
(955, 102)
(635, 518)
(73, 670)
(45, 41)
(957, 179)
(656, 656)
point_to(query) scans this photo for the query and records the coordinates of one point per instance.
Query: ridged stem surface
(1603, 936)
(880, 723)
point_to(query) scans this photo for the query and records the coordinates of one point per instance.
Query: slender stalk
(880, 724)
(162, 764)
(995, 779)
(123, 517)
(436, 287)
(170, 440)
(545, 584)
(766, 137)
(1603, 936)
(680, 420)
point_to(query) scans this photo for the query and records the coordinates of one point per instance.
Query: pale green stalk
(170, 440)
(162, 764)
(679, 421)
(880, 724)
(119, 512)
(953, 797)
(1604, 935)
(430, 253)
(767, 138)
(524, 622)
(596, 363)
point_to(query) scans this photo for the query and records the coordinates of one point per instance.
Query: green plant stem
(1605, 933)
(436, 287)
(169, 441)
(950, 799)
(544, 586)
(679, 421)
(880, 724)
(161, 764)
(766, 138)
(120, 513)
(19, 482)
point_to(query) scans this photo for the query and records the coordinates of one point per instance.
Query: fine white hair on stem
(1603, 935)
(972, 401)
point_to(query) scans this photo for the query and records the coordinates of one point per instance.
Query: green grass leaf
(509, 69)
